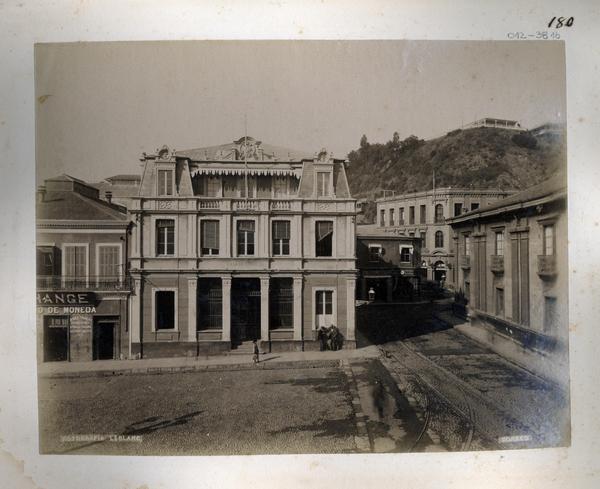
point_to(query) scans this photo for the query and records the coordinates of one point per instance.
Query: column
(350, 309)
(226, 284)
(192, 302)
(135, 317)
(264, 308)
(297, 308)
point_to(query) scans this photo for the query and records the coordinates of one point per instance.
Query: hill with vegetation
(481, 157)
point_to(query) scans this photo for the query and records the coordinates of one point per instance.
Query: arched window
(439, 239)
(439, 213)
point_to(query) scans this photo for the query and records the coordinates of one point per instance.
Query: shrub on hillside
(524, 140)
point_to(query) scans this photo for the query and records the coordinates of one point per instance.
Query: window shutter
(247, 226)
(210, 238)
(281, 230)
(324, 229)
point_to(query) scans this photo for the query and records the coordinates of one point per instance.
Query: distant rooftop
(554, 186)
(445, 191)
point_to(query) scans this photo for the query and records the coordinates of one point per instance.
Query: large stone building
(82, 279)
(511, 258)
(423, 215)
(239, 242)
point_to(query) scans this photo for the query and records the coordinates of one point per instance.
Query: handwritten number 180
(560, 22)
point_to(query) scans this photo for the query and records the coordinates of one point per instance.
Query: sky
(100, 105)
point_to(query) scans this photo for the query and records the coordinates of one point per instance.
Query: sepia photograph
(301, 247)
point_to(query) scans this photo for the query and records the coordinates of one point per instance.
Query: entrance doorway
(439, 272)
(104, 339)
(324, 308)
(245, 310)
(56, 338)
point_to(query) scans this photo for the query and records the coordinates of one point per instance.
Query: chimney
(41, 193)
(108, 196)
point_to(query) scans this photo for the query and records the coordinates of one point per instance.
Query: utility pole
(246, 155)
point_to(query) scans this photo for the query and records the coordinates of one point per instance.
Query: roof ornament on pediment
(324, 156)
(164, 152)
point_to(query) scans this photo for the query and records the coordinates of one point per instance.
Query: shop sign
(66, 299)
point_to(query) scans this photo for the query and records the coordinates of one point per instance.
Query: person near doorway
(256, 353)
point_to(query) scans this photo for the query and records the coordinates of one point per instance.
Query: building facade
(388, 265)
(512, 263)
(240, 242)
(423, 215)
(82, 278)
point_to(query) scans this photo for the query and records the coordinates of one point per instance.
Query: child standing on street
(255, 351)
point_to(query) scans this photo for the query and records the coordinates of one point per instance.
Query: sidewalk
(100, 368)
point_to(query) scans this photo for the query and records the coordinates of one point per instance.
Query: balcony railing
(93, 282)
(497, 263)
(546, 266)
(465, 261)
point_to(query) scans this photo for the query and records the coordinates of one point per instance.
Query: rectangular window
(550, 315)
(281, 303)
(281, 238)
(392, 217)
(165, 182)
(549, 240)
(249, 183)
(165, 237)
(108, 262)
(210, 304)
(213, 186)
(165, 310)
(405, 253)
(382, 217)
(439, 214)
(375, 252)
(474, 206)
(499, 302)
(411, 214)
(323, 182)
(401, 216)
(245, 238)
(210, 237)
(324, 300)
(423, 235)
(75, 264)
(499, 243)
(324, 238)
(423, 214)
(47, 261)
(457, 209)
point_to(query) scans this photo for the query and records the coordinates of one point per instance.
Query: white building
(239, 242)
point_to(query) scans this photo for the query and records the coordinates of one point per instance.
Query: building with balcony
(389, 264)
(240, 242)
(423, 215)
(516, 278)
(82, 280)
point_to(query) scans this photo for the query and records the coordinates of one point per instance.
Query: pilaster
(264, 308)
(226, 284)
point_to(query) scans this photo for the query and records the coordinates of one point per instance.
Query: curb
(271, 365)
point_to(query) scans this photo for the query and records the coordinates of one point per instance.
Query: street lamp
(371, 294)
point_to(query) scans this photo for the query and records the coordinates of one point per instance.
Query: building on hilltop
(83, 283)
(423, 215)
(495, 123)
(239, 242)
(511, 258)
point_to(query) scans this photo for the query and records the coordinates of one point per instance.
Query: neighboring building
(239, 242)
(119, 189)
(388, 264)
(496, 123)
(550, 129)
(512, 262)
(423, 215)
(82, 280)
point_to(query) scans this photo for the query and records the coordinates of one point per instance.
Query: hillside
(480, 158)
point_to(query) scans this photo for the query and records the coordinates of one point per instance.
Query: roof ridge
(99, 205)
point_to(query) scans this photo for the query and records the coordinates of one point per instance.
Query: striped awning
(297, 173)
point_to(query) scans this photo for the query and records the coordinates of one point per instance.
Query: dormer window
(323, 184)
(165, 182)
